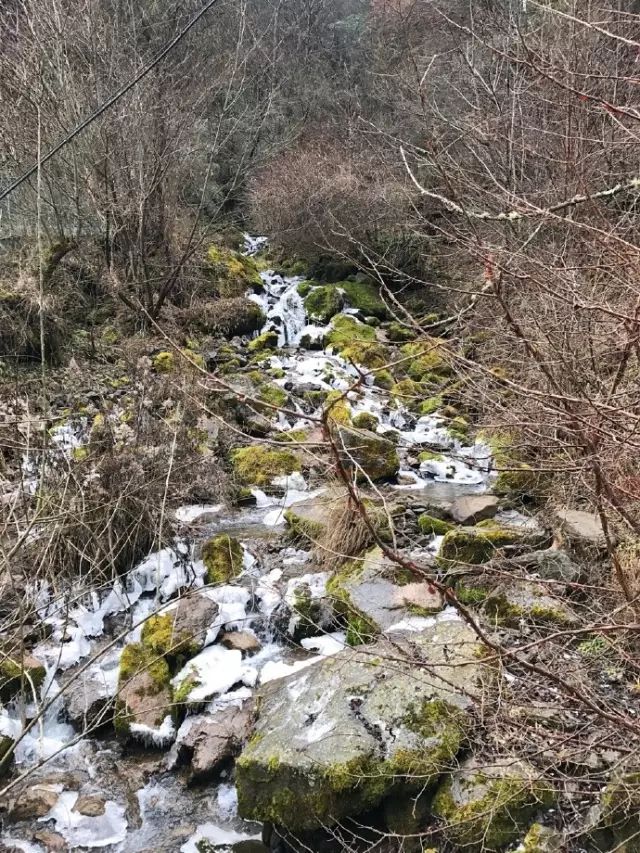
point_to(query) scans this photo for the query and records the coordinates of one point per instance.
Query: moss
(431, 405)
(593, 647)
(223, 558)
(80, 454)
(515, 477)
(273, 394)
(365, 420)
(371, 456)
(322, 303)
(276, 372)
(159, 635)
(428, 524)
(365, 296)
(184, 688)
(430, 456)
(470, 594)
(383, 379)
(232, 272)
(164, 362)
(6, 754)
(265, 341)
(471, 545)
(258, 465)
(110, 336)
(304, 288)
(360, 629)
(337, 406)
(346, 329)
(496, 817)
(620, 799)
(301, 528)
(425, 359)
(18, 673)
(398, 333)
(409, 392)
(541, 839)
(292, 436)
(138, 659)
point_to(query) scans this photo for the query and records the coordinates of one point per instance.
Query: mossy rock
(371, 456)
(487, 807)
(144, 694)
(431, 405)
(542, 839)
(303, 528)
(337, 407)
(223, 557)
(430, 456)
(511, 603)
(475, 545)
(356, 342)
(383, 379)
(399, 334)
(232, 272)
(515, 478)
(322, 303)
(292, 436)
(274, 395)
(428, 524)
(365, 296)
(159, 634)
(409, 393)
(257, 465)
(365, 420)
(6, 754)
(425, 359)
(305, 769)
(265, 341)
(20, 673)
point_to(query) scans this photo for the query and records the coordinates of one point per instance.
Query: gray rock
(550, 565)
(211, 741)
(336, 738)
(369, 588)
(582, 527)
(193, 617)
(509, 603)
(474, 508)
(367, 453)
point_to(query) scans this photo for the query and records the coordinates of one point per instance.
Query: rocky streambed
(241, 690)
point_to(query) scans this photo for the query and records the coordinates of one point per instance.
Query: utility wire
(108, 103)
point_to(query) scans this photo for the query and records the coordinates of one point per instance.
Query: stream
(146, 804)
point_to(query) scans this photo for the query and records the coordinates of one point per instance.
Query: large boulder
(335, 739)
(582, 529)
(368, 454)
(486, 806)
(550, 565)
(479, 544)
(144, 706)
(180, 631)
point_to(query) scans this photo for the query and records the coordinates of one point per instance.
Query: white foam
(84, 831)
(217, 838)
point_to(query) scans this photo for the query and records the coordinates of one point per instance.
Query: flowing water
(148, 806)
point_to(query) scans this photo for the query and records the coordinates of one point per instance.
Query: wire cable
(108, 103)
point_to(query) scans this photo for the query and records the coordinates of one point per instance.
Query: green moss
(164, 362)
(542, 839)
(18, 673)
(345, 329)
(232, 272)
(425, 359)
(365, 296)
(383, 379)
(265, 341)
(365, 420)
(399, 333)
(428, 524)
(223, 558)
(138, 659)
(184, 688)
(337, 406)
(322, 303)
(470, 595)
(360, 629)
(258, 465)
(430, 456)
(515, 477)
(471, 545)
(159, 635)
(431, 405)
(80, 454)
(496, 817)
(304, 288)
(292, 436)
(620, 799)
(409, 392)
(593, 647)
(301, 528)
(6, 754)
(276, 372)
(274, 395)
